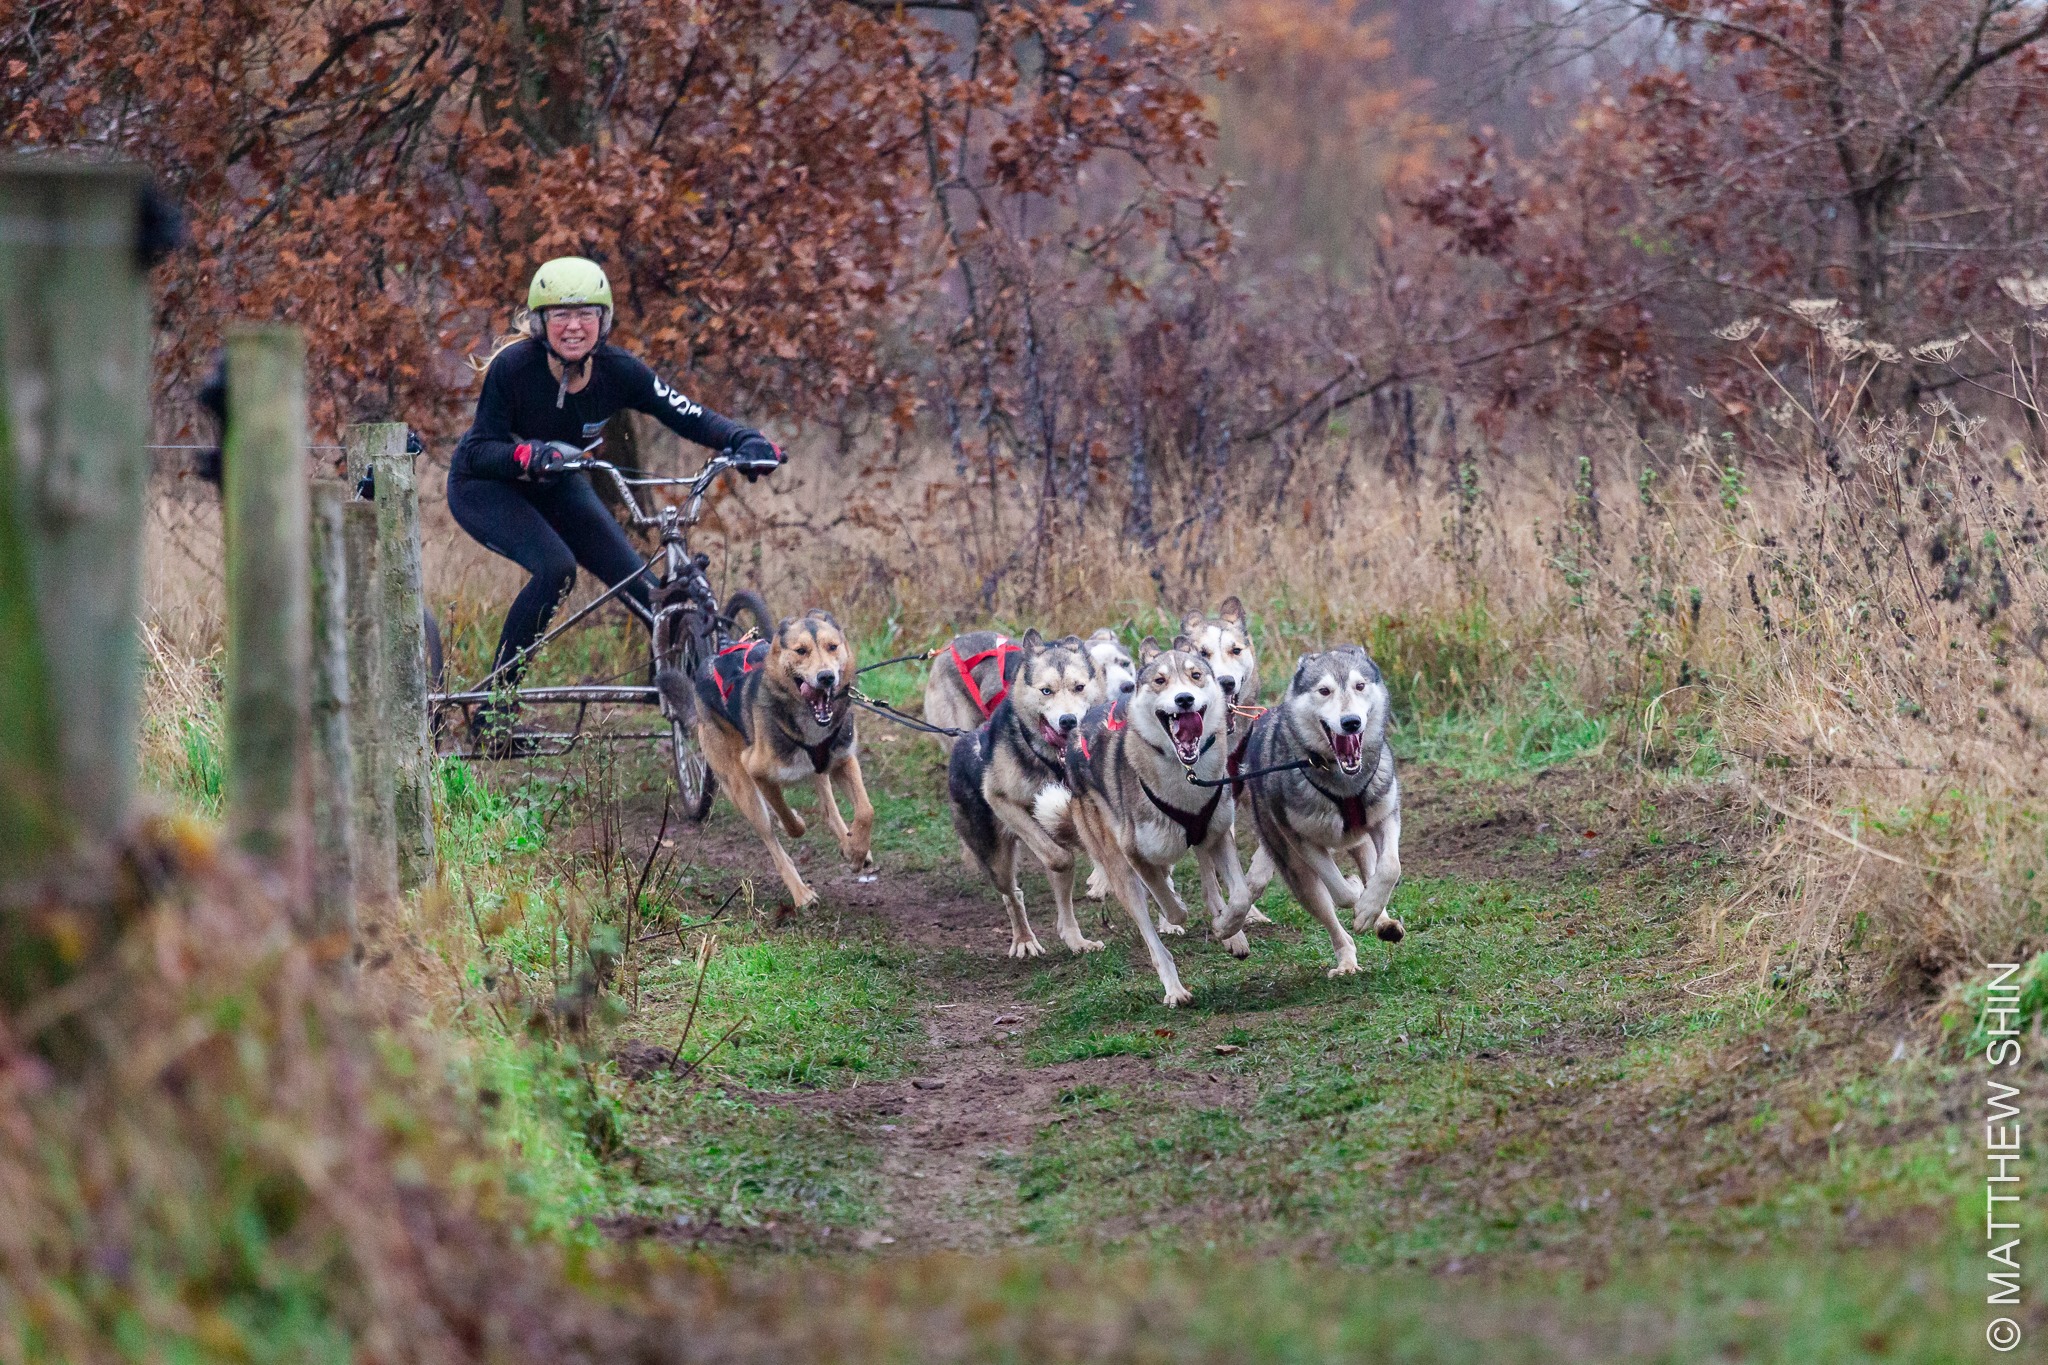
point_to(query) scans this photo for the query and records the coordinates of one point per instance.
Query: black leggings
(546, 528)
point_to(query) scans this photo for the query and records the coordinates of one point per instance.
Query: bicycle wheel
(745, 610)
(676, 659)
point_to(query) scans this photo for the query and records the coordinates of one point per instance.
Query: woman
(547, 397)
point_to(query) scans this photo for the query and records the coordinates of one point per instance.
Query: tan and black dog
(777, 712)
(1138, 809)
(1008, 784)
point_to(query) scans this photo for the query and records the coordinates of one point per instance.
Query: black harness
(821, 752)
(723, 686)
(1352, 808)
(1195, 823)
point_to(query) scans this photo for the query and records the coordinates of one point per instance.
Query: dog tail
(973, 819)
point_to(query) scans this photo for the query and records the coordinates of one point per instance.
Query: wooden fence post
(406, 723)
(334, 911)
(264, 494)
(376, 856)
(74, 414)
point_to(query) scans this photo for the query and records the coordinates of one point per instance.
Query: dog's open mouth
(1349, 749)
(1185, 728)
(819, 700)
(1052, 734)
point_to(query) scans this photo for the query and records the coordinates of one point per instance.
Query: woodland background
(1094, 240)
(1652, 385)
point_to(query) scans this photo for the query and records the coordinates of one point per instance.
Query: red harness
(1000, 651)
(1111, 723)
(1235, 763)
(753, 653)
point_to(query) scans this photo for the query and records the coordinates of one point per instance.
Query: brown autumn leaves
(1012, 224)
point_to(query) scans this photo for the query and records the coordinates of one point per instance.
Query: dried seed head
(1938, 352)
(1739, 330)
(1839, 327)
(1844, 346)
(1886, 353)
(2027, 289)
(1813, 310)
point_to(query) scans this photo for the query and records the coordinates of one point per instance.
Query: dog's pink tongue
(1053, 734)
(1187, 727)
(1347, 747)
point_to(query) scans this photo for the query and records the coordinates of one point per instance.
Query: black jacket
(518, 404)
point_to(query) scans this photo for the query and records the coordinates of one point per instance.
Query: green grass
(1866, 1306)
(1338, 1080)
(1541, 727)
(1520, 1086)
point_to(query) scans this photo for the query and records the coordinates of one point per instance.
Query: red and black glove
(754, 455)
(538, 459)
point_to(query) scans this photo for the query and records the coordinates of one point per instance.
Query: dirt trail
(971, 1096)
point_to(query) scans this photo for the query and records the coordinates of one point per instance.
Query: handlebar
(699, 483)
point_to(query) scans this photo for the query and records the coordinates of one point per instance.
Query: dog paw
(1029, 947)
(861, 860)
(1167, 926)
(794, 826)
(1178, 997)
(1237, 945)
(1258, 916)
(1348, 967)
(1085, 945)
(1389, 929)
(803, 900)
(1098, 884)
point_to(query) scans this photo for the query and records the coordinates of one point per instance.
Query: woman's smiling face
(573, 332)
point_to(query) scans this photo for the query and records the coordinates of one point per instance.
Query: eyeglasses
(589, 316)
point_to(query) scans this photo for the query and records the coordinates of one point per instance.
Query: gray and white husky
(1225, 642)
(1346, 802)
(1116, 672)
(1008, 784)
(1138, 812)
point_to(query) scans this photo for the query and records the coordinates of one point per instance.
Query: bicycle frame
(680, 588)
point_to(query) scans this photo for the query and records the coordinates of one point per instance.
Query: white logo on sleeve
(680, 402)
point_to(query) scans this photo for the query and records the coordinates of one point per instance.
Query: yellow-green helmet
(568, 281)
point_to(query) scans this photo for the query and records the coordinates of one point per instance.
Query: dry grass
(225, 1161)
(1841, 613)
(1847, 622)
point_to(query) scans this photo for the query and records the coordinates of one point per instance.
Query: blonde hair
(522, 330)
